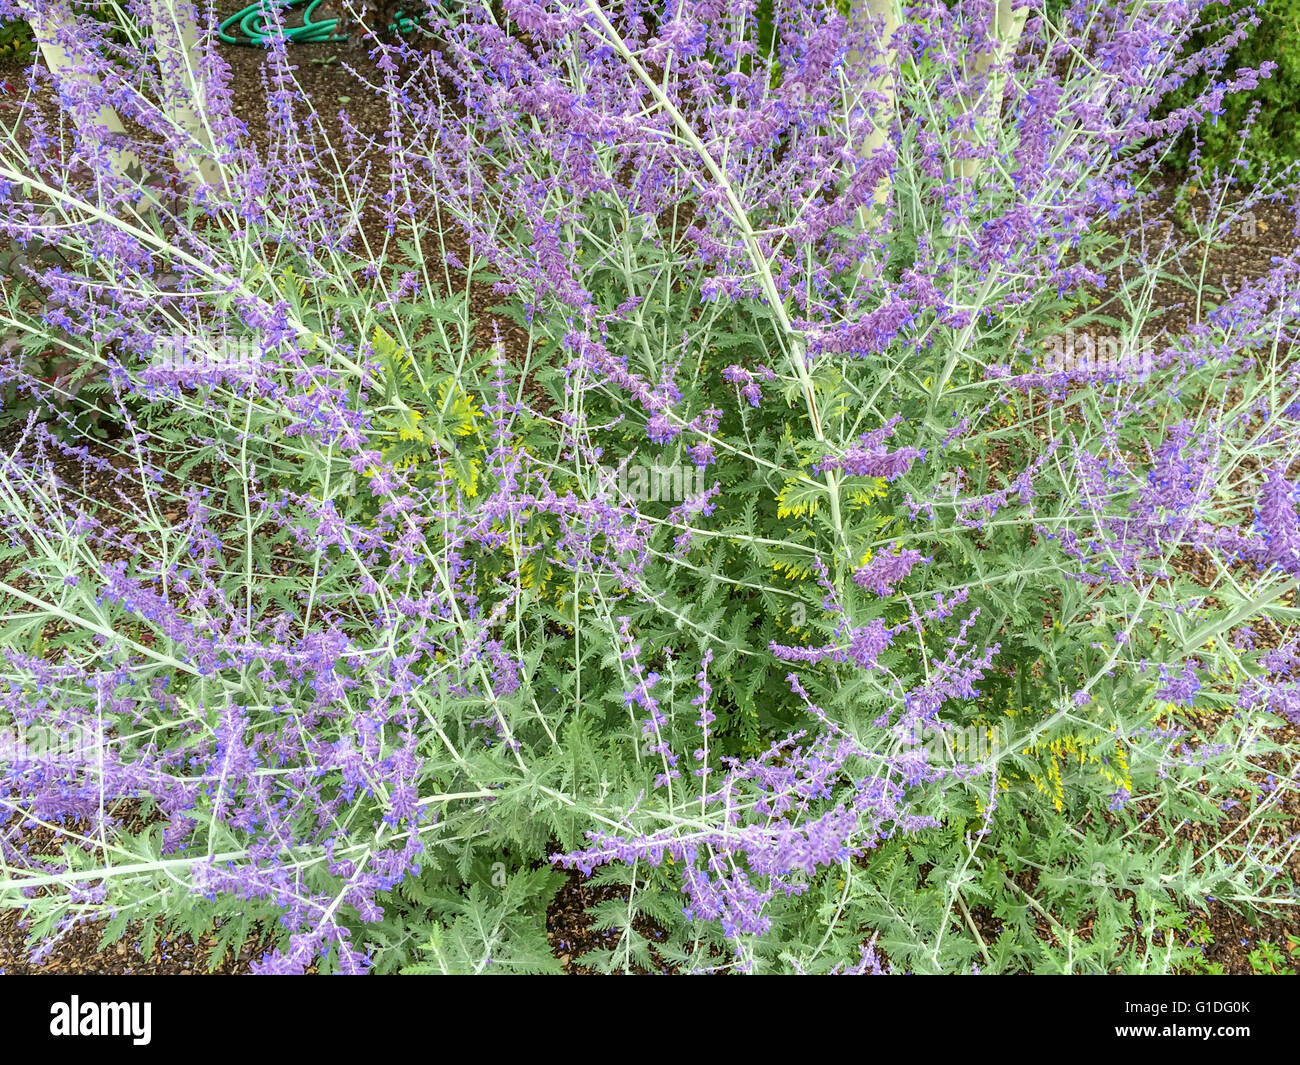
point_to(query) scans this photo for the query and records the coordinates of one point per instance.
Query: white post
(175, 33)
(1008, 23)
(47, 24)
(864, 15)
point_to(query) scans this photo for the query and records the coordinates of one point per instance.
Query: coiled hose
(252, 24)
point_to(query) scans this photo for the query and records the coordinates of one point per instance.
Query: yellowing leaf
(408, 425)
(385, 346)
(865, 492)
(797, 499)
(795, 570)
(457, 410)
(466, 471)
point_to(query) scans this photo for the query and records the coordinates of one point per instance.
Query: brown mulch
(572, 932)
(80, 953)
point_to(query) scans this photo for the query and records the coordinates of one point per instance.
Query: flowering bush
(927, 670)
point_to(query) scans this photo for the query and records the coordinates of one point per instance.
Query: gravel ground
(81, 954)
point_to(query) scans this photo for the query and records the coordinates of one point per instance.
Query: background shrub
(1268, 113)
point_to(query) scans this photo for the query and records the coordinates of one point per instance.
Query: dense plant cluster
(358, 628)
(1264, 118)
(15, 40)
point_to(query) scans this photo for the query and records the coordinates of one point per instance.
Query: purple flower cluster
(887, 569)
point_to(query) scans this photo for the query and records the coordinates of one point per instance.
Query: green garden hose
(252, 25)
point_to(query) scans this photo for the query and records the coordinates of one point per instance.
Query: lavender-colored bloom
(1181, 687)
(1278, 522)
(884, 570)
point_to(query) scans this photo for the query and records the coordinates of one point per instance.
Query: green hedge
(15, 41)
(1274, 140)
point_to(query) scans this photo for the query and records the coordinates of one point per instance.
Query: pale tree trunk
(46, 25)
(176, 35)
(1008, 25)
(175, 32)
(867, 18)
